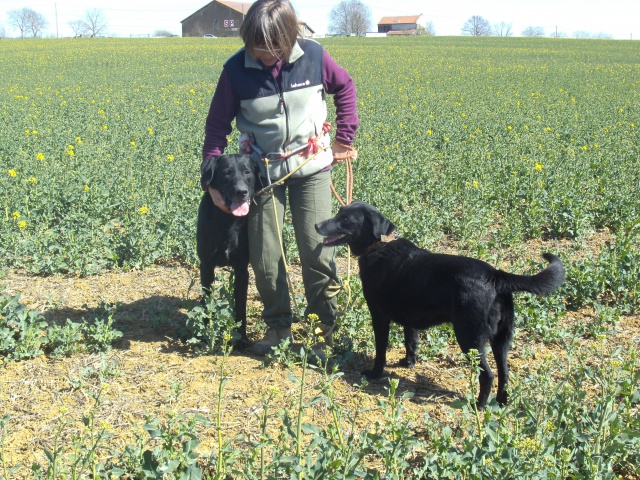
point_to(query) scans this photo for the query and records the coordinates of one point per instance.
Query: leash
(315, 149)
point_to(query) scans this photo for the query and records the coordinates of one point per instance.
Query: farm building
(222, 19)
(407, 25)
(217, 18)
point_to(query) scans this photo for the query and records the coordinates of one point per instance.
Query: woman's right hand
(218, 199)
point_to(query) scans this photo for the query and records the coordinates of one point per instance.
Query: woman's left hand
(341, 152)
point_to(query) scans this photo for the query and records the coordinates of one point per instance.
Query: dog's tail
(543, 283)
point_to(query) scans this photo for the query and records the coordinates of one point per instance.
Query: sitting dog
(222, 235)
(418, 289)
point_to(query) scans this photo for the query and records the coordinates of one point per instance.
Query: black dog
(222, 236)
(419, 289)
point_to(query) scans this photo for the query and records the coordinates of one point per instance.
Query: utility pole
(56, 7)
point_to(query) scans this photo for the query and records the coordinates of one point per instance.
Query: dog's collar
(384, 239)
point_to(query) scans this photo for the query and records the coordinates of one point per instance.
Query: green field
(499, 148)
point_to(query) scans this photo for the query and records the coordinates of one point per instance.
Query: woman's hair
(270, 24)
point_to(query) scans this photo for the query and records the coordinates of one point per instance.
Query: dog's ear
(381, 225)
(207, 170)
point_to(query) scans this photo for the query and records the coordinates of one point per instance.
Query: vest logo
(302, 84)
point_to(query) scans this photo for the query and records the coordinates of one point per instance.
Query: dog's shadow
(422, 388)
(153, 319)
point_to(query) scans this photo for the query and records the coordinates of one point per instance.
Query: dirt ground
(151, 363)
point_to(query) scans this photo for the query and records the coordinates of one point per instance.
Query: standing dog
(222, 236)
(419, 289)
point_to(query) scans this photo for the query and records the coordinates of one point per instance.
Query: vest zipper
(283, 109)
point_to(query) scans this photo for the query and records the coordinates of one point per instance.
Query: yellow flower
(22, 225)
(429, 132)
(16, 215)
(509, 127)
(150, 130)
(86, 188)
(104, 127)
(133, 144)
(170, 157)
(538, 166)
(40, 156)
(12, 173)
(144, 210)
(475, 183)
(32, 180)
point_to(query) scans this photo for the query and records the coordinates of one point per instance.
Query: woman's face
(265, 56)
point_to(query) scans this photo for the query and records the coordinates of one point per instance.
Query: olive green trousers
(309, 202)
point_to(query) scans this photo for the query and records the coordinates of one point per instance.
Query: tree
(77, 27)
(533, 32)
(428, 30)
(602, 36)
(476, 26)
(163, 33)
(502, 29)
(95, 22)
(28, 21)
(581, 34)
(36, 23)
(350, 17)
(557, 34)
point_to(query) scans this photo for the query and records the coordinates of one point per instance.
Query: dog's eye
(345, 221)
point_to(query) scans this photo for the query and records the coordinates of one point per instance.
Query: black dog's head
(358, 224)
(234, 176)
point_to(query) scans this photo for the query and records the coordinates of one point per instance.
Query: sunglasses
(275, 52)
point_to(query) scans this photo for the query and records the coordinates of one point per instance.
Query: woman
(275, 90)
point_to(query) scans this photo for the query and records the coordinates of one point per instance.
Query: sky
(618, 18)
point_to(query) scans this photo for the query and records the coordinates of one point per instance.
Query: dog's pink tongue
(240, 209)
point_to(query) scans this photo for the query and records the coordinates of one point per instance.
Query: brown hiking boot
(272, 338)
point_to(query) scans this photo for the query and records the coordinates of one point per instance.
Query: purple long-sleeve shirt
(225, 106)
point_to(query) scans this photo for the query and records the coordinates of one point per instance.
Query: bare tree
(95, 22)
(557, 34)
(428, 30)
(163, 33)
(350, 17)
(19, 19)
(581, 34)
(3, 33)
(37, 23)
(502, 29)
(533, 32)
(476, 26)
(77, 27)
(602, 36)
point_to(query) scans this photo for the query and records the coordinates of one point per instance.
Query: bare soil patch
(149, 361)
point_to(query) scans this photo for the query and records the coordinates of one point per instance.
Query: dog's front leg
(411, 347)
(381, 324)
(240, 292)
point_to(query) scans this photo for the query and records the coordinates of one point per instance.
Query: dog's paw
(372, 374)
(502, 398)
(407, 362)
(242, 344)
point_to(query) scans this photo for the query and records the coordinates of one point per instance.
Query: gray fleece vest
(282, 117)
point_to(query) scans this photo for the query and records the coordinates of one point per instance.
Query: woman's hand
(341, 152)
(218, 199)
